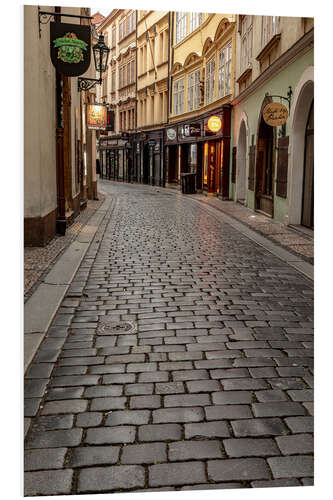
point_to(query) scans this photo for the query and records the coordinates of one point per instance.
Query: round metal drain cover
(116, 328)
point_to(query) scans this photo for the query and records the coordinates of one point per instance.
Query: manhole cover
(116, 327)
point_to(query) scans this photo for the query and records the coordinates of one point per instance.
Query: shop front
(115, 158)
(147, 151)
(201, 146)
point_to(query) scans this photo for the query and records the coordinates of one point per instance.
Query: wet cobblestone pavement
(180, 358)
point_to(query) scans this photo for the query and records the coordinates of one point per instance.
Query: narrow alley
(181, 357)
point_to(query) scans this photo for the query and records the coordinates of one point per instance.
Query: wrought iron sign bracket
(45, 17)
(288, 98)
(87, 83)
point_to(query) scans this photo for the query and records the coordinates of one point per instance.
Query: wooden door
(308, 179)
(211, 181)
(264, 170)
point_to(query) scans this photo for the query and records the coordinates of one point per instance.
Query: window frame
(224, 70)
(181, 26)
(178, 96)
(193, 90)
(270, 27)
(210, 80)
(195, 20)
(246, 33)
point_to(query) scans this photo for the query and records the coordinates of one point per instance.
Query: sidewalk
(49, 272)
(286, 237)
(37, 260)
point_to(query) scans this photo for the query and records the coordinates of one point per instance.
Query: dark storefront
(202, 146)
(116, 158)
(133, 158)
(148, 165)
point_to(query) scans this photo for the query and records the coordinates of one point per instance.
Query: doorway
(241, 165)
(308, 177)
(212, 173)
(264, 169)
(146, 164)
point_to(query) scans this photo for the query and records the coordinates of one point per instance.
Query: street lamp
(101, 55)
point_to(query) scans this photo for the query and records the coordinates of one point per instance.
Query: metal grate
(116, 327)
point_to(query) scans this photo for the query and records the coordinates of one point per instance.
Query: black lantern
(101, 55)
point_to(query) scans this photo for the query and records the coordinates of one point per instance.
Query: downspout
(136, 71)
(61, 215)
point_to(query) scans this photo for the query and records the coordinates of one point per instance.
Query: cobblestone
(211, 374)
(93, 455)
(177, 474)
(98, 479)
(238, 469)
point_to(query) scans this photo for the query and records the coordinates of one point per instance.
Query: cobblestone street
(180, 358)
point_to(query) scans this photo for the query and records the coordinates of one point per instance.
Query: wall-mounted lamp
(101, 55)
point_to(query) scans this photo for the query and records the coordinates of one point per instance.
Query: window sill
(268, 47)
(244, 75)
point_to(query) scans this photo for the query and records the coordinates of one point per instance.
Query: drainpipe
(61, 212)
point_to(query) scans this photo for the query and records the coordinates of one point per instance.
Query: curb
(42, 305)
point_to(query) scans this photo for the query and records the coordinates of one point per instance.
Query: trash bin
(188, 183)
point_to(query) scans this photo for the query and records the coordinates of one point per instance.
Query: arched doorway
(301, 151)
(241, 165)
(265, 167)
(308, 176)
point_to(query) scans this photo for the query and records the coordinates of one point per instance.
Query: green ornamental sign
(70, 48)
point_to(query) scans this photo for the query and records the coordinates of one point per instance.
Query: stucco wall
(40, 196)
(277, 85)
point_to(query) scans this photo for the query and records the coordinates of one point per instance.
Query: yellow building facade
(152, 59)
(119, 81)
(202, 79)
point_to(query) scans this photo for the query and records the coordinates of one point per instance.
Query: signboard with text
(275, 114)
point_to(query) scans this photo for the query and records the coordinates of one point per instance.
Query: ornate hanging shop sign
(96, 117)
(70, 48)
(275, 114)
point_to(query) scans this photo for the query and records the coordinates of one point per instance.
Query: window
(195, 20)
(178, 96)
(270, 27)
(210, 73)
(132, 71)
(246, 42)
(113, 81)
(180, 26)
(228, 51)
(113, 37)
(224, 76)
(123, 29)
(193, 91)
(131, 22)
(122, 77)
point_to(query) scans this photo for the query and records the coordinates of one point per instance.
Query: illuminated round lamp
(214, 124)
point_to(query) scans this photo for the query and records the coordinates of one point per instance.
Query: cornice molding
(299, 48)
